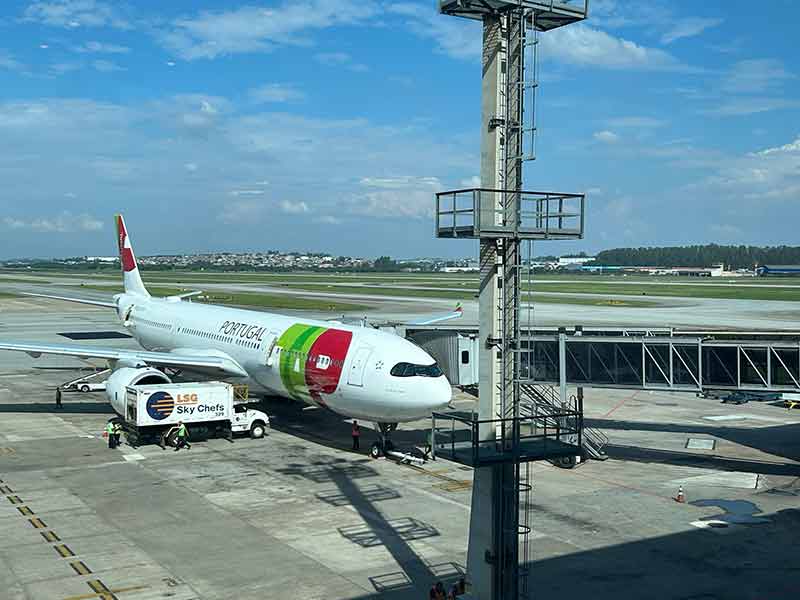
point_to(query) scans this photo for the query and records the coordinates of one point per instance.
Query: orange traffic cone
(680, 497)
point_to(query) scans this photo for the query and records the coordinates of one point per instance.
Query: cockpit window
(411, 370)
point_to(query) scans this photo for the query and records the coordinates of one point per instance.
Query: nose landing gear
(384, 444)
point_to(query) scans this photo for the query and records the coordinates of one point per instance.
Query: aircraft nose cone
(441, 393)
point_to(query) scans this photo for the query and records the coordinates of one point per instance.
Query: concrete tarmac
(298, 514)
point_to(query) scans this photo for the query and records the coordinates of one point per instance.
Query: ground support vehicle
(208, 409)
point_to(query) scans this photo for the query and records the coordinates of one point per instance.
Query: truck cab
(250, 420)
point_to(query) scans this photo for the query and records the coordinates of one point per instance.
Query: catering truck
(152, 412)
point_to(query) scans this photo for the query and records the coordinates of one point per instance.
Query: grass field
(274, 301)
(36, 279)
(459, 286)
(459, 294)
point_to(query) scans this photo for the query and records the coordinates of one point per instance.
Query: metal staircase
(538, 399)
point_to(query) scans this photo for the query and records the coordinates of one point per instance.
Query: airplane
(356, 371)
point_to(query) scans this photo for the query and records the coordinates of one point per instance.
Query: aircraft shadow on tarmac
(93, 408)
(330, 429)
(780, 441)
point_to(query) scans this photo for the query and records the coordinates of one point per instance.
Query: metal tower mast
(503, 218)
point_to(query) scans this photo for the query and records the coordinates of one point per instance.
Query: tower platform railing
(516, 214)
(545, 435)
(549, 14)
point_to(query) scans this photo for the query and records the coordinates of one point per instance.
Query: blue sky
(329, 124)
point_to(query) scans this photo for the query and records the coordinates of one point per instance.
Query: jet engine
(128, 376)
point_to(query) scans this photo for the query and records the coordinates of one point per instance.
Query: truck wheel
(84, 388)
(258, 430)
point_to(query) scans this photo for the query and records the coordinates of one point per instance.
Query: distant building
(563, 261)
(474, 269)
(102, 259)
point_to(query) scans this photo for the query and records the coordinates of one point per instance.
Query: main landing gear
(384, 444)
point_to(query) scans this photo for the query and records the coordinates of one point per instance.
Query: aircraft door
(356, 375)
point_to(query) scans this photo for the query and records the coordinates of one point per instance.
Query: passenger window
(465, 357)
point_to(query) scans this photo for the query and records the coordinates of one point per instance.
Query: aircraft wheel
(375, 450)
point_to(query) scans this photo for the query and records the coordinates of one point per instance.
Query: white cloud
(736, 107)
(246, 192)
(241, 212)
(340, 59)
(457, 38)
(755, 76)
(328, 220)
(689, 27)
(94, 47)
(404, 196)
(471, 182)
(577, 44)
(584, 46)
(146, 156)
(768, 174)
(106, 66)
(277, 92)
(293, 208)
(75, 13)
(65, 222)
(255, 29)
(606, 137)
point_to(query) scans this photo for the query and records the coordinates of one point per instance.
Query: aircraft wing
(212, 363)
(431, 319)
(68, 299)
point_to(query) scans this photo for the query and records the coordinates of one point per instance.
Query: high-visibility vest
(182, 431)
(110, 428)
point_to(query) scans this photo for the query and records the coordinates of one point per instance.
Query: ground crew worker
(117, 433)
(110, 435)
(58, 397)
(183, 437)
(356, 435)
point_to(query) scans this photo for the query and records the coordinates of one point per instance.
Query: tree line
(733, 257)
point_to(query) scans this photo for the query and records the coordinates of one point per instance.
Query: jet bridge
(650, 359)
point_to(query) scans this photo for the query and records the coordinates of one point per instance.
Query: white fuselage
(344, 368)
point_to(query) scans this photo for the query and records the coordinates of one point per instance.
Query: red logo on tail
(125, 252)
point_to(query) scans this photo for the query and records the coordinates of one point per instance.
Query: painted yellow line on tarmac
(37, 522)
(64, 551)
(102, 591)
(50, 536)
(80, 568)
(14, 499)
(4, 489)
(25, 511)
